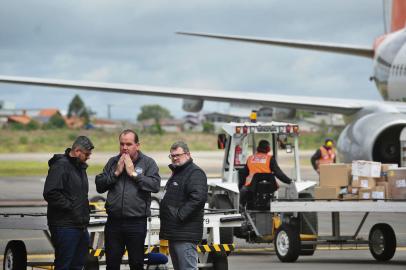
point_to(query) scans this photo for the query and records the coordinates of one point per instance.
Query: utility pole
(109, 110)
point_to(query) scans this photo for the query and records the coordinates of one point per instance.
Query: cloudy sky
(133, 41)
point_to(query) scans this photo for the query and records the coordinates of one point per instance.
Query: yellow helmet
(328, 143)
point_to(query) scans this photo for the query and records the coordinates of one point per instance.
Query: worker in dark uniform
(260, 162)
(326, 154)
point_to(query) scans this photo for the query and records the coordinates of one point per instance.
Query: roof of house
(22, 119)
(48, 112)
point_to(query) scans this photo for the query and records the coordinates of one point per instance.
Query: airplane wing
(317, 46)
(331, 105)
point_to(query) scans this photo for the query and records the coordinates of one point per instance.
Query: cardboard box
(378, 193)
(363, 182)
(397, 183)
(335, 175)
(366, 168)
(365, 194)
(386, 186)
(353, 190)
(350, 197)
(326, 192)
(383, 178)
(388, 166)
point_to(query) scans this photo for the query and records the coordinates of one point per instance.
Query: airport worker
(326, 154)
(182, 207)
(129, 178)
(260, 162)
(68, 213)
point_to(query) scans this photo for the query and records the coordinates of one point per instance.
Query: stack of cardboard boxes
(332, 178)
(361, 180)
(365, 176)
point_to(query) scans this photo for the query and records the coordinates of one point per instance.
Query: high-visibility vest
(327, 155)
(258, 163)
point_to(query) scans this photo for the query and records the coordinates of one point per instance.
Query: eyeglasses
(171, 156)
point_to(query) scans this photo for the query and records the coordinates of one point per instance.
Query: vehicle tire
(382, 242)
(307, 249)
(15, 256)
(220, 261)
(221, 201)
(287, 243)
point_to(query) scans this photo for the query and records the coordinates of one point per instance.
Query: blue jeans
(122, 233)
(71, 247)
(183, 255)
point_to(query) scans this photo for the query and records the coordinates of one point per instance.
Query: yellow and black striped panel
(200, 248)
(100, 252)
(215, 248)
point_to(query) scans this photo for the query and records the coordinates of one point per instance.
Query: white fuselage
(390, 66)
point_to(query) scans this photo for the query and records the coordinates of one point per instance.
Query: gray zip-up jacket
(127, 196)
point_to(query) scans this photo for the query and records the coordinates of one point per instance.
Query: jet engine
(372, 137)
(192, 105)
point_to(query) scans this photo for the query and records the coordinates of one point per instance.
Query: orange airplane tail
(398, 19)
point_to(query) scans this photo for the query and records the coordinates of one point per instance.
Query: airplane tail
(398, 18)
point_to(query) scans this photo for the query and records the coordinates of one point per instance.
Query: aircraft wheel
(15, 256)
(287, 243)
(382, 242)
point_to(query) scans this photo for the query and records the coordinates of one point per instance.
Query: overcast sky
(134, 42)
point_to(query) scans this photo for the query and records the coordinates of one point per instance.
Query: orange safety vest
(327, 156)
(258, 163)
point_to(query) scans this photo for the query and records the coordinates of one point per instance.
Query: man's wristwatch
(134, 174)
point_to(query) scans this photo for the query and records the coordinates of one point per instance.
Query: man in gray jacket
(129, 178)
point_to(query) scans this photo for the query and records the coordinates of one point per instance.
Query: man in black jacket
(129, 178)
(66, 191)
(182, 207)
(260, 162)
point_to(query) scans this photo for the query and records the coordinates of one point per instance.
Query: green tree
(33, 125)
(155, 112)
(55, 122)
(208, 127)
(77, 108)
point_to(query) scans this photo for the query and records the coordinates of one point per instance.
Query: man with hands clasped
(129, 178)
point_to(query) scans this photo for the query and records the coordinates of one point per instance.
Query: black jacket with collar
(129, 197)
(66, 191)
(182, 208)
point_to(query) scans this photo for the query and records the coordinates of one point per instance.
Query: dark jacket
(129, 197)
(274, 169)
(181, 209)
(66, 191)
